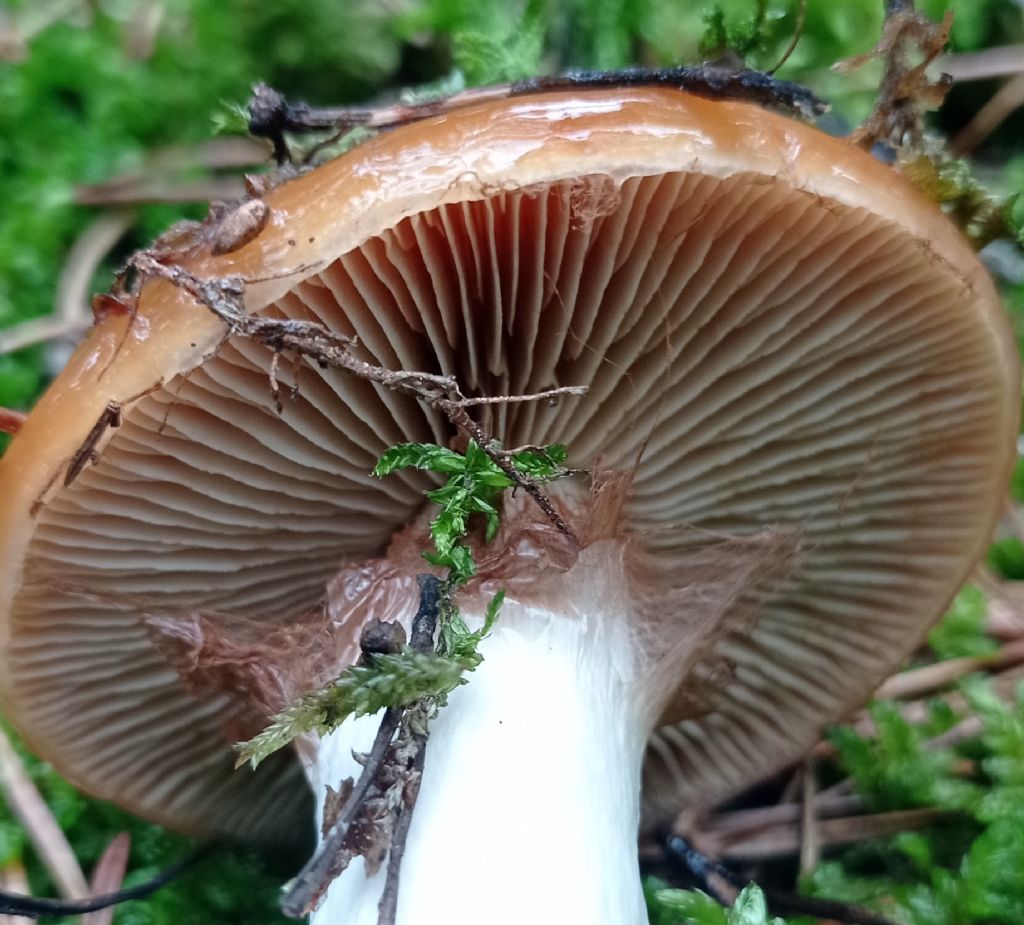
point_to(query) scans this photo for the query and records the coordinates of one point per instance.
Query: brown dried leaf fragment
(906, 92)
(88, 452)
(11, 420)
(108, 877)
(334, 802)
(105, 304)
(239, 226)
(180, 238)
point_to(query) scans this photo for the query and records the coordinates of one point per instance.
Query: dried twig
(1005, 618)
(1001, 61)
(810, 843)
(1004, 682)
(335, 852)
(460, 418)
(87, 253)
(1003, 104)
(845, 830)
(223, 296)
(143, 189)
(87, 453)
(34, 908)
(165, 177)
(272, 116)
(308, 887)
(798, 31)
(929, 678)
(431, 602)
(773, 839)
(737, 823)
(548, 395)
(705, 868)
(38, 331)
(387, 910)
(31, 810)
(73, 315)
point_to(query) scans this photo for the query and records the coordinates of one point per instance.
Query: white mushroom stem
(529, 805)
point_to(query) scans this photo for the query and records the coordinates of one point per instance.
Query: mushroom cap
(797, 337)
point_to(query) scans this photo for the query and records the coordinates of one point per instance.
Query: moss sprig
(474, 484)
(473, 487)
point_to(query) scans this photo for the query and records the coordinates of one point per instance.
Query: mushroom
(801, 416)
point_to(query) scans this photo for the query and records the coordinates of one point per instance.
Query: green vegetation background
(81, 105)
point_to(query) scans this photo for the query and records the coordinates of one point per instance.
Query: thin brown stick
(735, 823)
(798, 31)
(38, 908)
(74, 287)
(1003, 104)
(774, 841)
(272, 116)
(88, 452)
(549, 395)
(920, 681)
(387, 909)
(223, 296)
(311, 883)
(31, 811)
(458, 416)
(145, 189)
(1001, 61)
(39, 331)
(810, 844)
(710, 872)
(165, 175)
(1004, 682)
(140, 32)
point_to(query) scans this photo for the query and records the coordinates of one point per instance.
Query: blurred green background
(143, 91)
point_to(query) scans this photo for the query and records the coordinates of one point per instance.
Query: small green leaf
(491, 525)
(462, 565)
(476, 458)
(230, 118)
(669, 906)
(493, 609)
(448, 527)
(688, 907)
(480, 505)
(541, 465)
(426, 456)
(750, 908)
(1015, 216)
(493, 478)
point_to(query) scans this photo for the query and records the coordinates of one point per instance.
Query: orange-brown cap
(799, 341)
